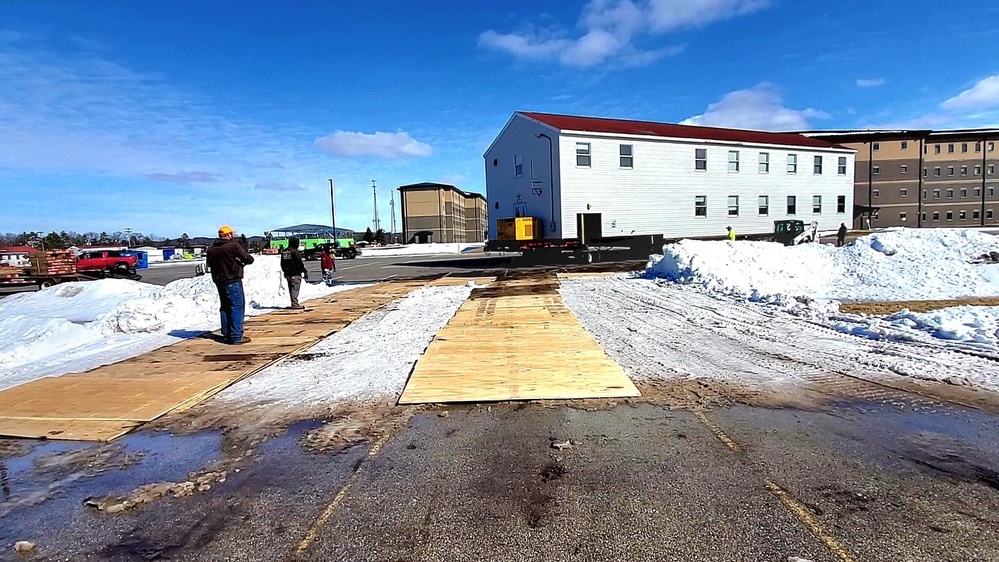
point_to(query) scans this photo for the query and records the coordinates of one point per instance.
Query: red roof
(653, 129)
(18, 250)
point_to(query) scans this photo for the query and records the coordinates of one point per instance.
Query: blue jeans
(233, 306)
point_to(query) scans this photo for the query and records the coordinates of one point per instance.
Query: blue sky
(170, 117)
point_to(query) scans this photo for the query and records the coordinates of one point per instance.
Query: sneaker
(241, 341)
(297, 307)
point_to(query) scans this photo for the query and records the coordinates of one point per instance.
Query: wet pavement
(851, 481)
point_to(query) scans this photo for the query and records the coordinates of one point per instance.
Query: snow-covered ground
(898, 264)
(668, 331)
(368, 360)
(421, 249)
(967, 327)
(78, 326)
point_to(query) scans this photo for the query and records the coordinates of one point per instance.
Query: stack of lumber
(53, 262)
(6, 272)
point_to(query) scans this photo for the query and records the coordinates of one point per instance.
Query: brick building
(438, 212)
(923, 178)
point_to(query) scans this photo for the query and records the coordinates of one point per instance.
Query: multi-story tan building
(438, 212)
(923, 178)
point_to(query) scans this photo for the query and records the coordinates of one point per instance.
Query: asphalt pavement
(860, 481)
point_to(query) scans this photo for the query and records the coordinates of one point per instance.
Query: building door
(589, 227)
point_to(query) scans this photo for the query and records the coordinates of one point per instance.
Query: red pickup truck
(109, 260)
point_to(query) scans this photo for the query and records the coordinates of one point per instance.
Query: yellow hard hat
(225, 229)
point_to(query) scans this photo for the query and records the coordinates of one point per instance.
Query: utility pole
(392, 209)
(333, 212)
(128, 237)
(376, 222)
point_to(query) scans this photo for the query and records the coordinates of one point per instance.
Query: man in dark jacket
(293, 268)
(841, 235)
(225, 259)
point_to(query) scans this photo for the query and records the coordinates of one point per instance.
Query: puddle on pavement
(62, 470)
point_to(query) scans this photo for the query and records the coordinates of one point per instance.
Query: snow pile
(78, 326)
(358, 362)
(422, 249)
(898, 264)
(976, 327)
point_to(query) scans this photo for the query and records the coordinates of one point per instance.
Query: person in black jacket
(225, 259)
(841, 235)
(293, 267)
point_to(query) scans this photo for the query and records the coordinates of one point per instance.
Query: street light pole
(333, 212)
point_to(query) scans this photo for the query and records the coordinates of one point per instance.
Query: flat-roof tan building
(439, 212)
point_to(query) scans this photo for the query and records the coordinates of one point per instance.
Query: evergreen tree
(380, 236)
(369, 236)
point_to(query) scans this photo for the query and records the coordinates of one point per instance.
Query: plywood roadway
(514, 340)
(109, 401)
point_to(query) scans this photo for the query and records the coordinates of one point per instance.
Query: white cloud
(185, 178)
(758, 108)
(278, 186)
(610, 26)
(983, 95)
(453, 179)
(870, 82)
(376, 145)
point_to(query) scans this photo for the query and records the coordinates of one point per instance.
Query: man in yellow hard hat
(226, 258)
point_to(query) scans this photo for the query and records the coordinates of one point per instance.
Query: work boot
(241, 341)
(297, 307)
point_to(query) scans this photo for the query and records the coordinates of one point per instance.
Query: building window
(950, 149)
(936, 149)
(583, 154)
(764, 204)
(875, 193)
(875, 170)
(764, 162)
(964, 193)
(988, 213)
(991, 169)
(905, 145)
(976, 215)
(905, 168)
(936, 194)
(964, 170)
(733, 160)
(978, 191)
(936, 172)
(936, 216)
(841, 204)
(700, 159)
(950, 170)
(792, 163)
(518, 165)
(903, 192)
(992, 191)
(627, 160)
(924, 172)
(733, 205)
(817, 165)
(701, 206)
(950, 194)
(877, 146)
(992, 147)
(978, 147)
(950, 215)
(978, 170)
(964, 147)
(816, 204)
(924, 194)
(924, 217)
(841, 167)
(901, 216)
(961, 215)
(792, 206)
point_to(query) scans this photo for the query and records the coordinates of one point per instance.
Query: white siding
(656, 195)
(506, 192)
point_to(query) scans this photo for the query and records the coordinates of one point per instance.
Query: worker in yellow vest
(731, 233)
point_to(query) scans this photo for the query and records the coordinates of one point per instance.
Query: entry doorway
(589, 227)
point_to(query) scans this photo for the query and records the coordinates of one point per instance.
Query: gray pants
(294, 286)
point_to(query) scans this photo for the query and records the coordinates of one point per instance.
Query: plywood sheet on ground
(514, 340)
(107, 402)
(452, 281)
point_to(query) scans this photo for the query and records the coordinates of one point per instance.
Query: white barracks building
(624, 178)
